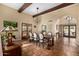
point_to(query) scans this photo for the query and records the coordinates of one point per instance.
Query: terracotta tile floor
(62, 47)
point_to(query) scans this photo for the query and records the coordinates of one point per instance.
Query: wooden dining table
(49, 40)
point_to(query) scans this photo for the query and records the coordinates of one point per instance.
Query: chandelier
(37, 20)
(69, 19)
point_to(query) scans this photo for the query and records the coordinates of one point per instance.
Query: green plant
(3, 37)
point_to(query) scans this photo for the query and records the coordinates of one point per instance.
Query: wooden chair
(50, 39)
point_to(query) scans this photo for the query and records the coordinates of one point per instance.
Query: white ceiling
(13, 5)
(32, 8)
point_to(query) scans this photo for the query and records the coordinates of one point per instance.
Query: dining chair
(35, 38)
(44, 33)
(41, 40)
(30, 36)
(51, 39)
(50, 34)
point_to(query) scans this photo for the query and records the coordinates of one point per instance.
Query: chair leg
(43, 44)
(52, 42)
(29, 40)
(39, 44)
(36, 42)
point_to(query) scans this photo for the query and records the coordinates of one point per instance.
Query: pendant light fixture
(37, 20)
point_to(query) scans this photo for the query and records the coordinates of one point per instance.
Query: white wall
(72, 10)
(51, 26)
(10, 14)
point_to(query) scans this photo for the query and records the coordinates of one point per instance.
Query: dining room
(39, 29)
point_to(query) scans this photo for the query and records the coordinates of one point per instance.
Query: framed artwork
(10, 23)
(44, 27)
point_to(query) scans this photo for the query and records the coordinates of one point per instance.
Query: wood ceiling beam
(54, 8)
(24, 6)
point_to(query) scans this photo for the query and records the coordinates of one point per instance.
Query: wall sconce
(34, 26)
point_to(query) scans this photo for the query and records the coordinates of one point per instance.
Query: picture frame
(44, 27)
(10, 23)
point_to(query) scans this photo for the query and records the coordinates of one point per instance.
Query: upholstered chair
(50, 35)
(41, 40)
(35, 38)
(44, 33)
(30, 37)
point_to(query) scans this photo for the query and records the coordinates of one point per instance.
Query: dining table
(49, 40)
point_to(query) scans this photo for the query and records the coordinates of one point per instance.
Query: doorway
(26, 28)
(69, 31)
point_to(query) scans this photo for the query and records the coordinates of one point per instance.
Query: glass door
(24, 31)
(73, 31)
(69, 31)
(66, 31)
(26, 28)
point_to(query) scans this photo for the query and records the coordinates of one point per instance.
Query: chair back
(30, 35)
(35, 36)
(49, 34)
(44, 33)
(40, 36)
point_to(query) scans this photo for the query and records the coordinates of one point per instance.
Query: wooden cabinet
(14, 50)
(25, 29)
